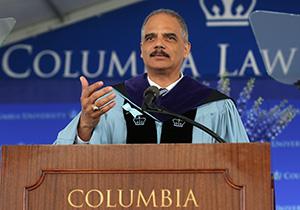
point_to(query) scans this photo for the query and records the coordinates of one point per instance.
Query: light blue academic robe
(220, 116)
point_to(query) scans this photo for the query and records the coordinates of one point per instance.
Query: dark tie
(163, 91)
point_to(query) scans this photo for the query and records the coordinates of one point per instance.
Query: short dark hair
(172, 13)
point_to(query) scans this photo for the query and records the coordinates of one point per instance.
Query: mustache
(160, 53)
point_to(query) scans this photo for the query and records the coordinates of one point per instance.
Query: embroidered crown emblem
(228, 15)
(139, 120)
(178, 122)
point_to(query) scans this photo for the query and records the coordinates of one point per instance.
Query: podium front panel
(173, 176)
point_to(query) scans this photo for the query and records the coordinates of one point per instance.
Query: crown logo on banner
(139, 120)
(178, 123)
(228, 15)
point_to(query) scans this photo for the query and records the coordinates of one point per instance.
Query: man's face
(163, 47)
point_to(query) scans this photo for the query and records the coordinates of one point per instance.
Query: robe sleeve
(111, 128)
(223, 118)
(68, 135)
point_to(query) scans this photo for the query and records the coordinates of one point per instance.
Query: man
(112, 115)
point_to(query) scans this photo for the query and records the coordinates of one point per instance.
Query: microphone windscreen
(152, 90)
(150, 95)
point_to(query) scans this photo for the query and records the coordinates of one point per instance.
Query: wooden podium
(173, 176)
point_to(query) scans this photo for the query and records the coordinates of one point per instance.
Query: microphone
(150, 95)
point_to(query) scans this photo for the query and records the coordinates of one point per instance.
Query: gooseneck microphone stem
(155, 109)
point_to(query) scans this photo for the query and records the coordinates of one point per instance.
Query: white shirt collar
(170, 87)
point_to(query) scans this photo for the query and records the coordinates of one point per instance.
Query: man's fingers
(84, 84)
(107, 107)
(102, 110)
(100, 93)
(95, 100)
(105, 100)
(86, 89)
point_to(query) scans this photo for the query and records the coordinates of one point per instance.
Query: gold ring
(96, 108)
